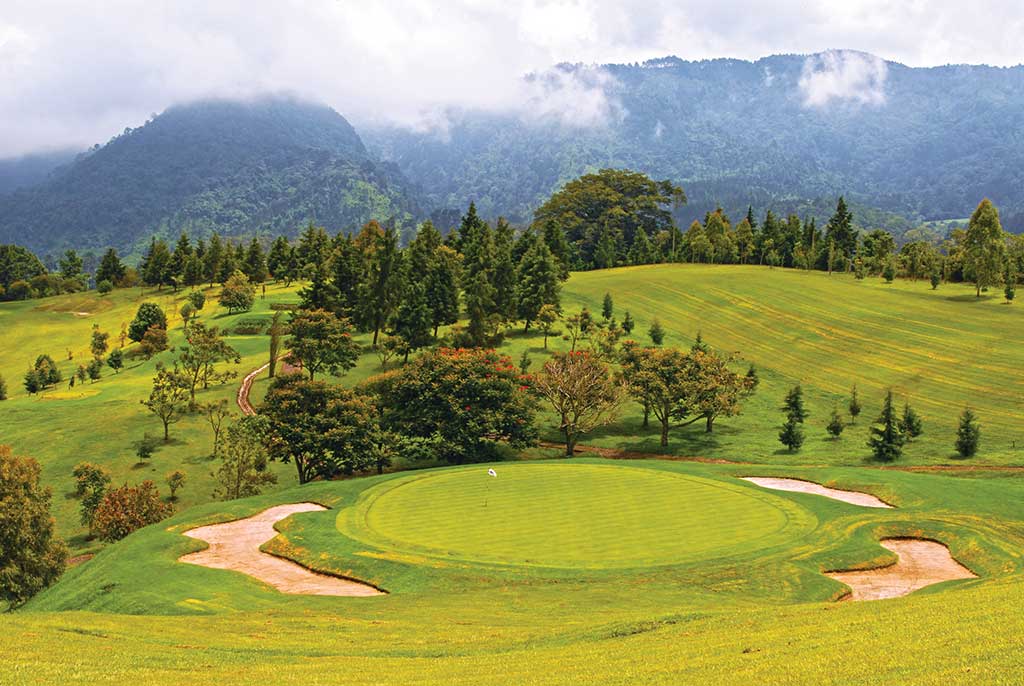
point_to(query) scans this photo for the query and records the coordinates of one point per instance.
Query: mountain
(30, 170)
(789, 132)
(241, 168)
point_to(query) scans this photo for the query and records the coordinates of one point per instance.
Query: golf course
(627, 563)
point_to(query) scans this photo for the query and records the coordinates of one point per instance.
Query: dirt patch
(921, 563)
(236, 546)
(800, 486)
(246, 388)
(78, 559)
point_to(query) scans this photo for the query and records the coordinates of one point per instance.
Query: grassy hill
(549, 574)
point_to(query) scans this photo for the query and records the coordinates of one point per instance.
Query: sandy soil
(921, 563)
(246, 387)
(236, 546)
(799, 486)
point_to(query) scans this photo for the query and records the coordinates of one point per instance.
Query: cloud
(843, 75)
(75, 73)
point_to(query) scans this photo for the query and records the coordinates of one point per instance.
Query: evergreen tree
(443, 288)
(381, 289)
(412, 321)
(835, 424)
(182, 251)
(314, 247)
(504, 272)
(537, 282)
(606, 251)
(320, 294)
(277, 258)
(854, 404)
(479, 296)
(347, 274)
(558, 244)
(656, 333)
(840, 231)
(792, 433)
(887, 439)
(156, 266)
(255, 262)
(212, 259)
(193, 274)
(910, 423)
(968, 434)
(699, 345)
(607, 307)
(111, 268)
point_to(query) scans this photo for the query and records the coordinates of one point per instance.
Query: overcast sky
(75, 73)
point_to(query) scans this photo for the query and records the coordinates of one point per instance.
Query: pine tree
(968, 434)
(835, 424)
(606, 252)
(479, 296)
(887, 439)
(277, 258)
(411, 321)
(840, 231)
(111, 268)
(537, 282)
(255, 262)
(179, 258)
(212, 259)
(792, 433)
(503, 274)
(627, 323)
(699, 345)
(157, 264)
(854, 404)
(910, 423)
(558, 244)
(443, 288)
(656, 333)
(607, 307)
(381, 290)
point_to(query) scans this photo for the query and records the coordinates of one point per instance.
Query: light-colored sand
(236, 546)
(799, 486)
(921, 563)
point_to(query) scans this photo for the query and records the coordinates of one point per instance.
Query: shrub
(3, 388)
(128, 508)
(104, 287)
(19, 290)
(176, 480)
(251, 327)
(198, 299)
(154, 341)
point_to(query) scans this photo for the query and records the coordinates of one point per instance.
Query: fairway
(591, 516)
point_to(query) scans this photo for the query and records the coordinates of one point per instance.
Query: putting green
(571, 515)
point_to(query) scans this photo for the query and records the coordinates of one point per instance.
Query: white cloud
(77, 73)
(844, 75)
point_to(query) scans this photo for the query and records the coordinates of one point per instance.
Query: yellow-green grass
(762, 616)
(570, 515)
(941, 350)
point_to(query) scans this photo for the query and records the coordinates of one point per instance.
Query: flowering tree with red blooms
(464, 401)
(581, 390)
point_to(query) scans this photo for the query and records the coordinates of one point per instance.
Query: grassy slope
(757, 615)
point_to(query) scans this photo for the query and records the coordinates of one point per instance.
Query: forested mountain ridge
(29, 170)
(240, 168)
(787, 132)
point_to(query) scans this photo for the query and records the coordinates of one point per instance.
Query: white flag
(491, 472)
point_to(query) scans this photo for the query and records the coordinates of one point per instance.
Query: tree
(854, 405)
(792, 433)
(44, 373)
(204, 348)
(322, 341)
(31, 555)
(127, 509)
(547, 315)
(968, 434)
(504, 274)
(71, 266)
(154, 341)
(910, 423)
(216, 413)
(98, 343)
(237, 294)
(155, 267)
(443, 288)
(115, 360)
(111, 268)
(412, 320)
(276, 331)
(145, 448)
(169, 398)
(243, 469)
(537, 282)
(175, 480)
(213, 259)
(607, 307)
(326, 431)
(581, 391)
(381, 289)
(627, 323)
(984, 246)
(255, 262)
(835, 424)
(91, 482)
(149, 314)
(104, 286)
(656, 333)
(3, 388)
(887, 438)
(936, 279)
(840, 234)
(94, 369)
(464, 401)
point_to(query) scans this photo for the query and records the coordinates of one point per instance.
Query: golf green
(571, 515)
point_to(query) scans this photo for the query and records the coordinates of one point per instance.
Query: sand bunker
(921, 563)
(799, 486)
(236, 546)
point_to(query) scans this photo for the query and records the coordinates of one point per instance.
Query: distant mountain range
(789, 132)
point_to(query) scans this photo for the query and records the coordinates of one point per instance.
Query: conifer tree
(537, 282)
(607, 307)
(628, 324)
(854, 405)
(606, 251)
(255, 262)
(792, 433)
(111, 268)
(503, 273)
(835, 424)
(277, 258)
(212, 259)
(558, 244)
(381, 290)
(840, 231)
(656, 333)
(968, 434)
(910, 423)
(443, 288)
(411, 321)
(887, 438)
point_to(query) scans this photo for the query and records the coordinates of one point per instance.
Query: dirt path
(800, 486)
(921, 563)
(236, 546)
(246, 388)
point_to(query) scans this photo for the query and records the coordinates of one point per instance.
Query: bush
(147, 316)
(104, 287)
(19, 290)
(146, 447)
(3, 388)
(176, 480)
(197, 299)
(251, 327)
(95, 369)
(128, 508)
(155, 341)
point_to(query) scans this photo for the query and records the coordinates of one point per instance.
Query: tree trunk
(710, 423)
(570, 443)
(376, 330)
(664, 434)
(167, 431)
(647, 415)
(545, 340)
